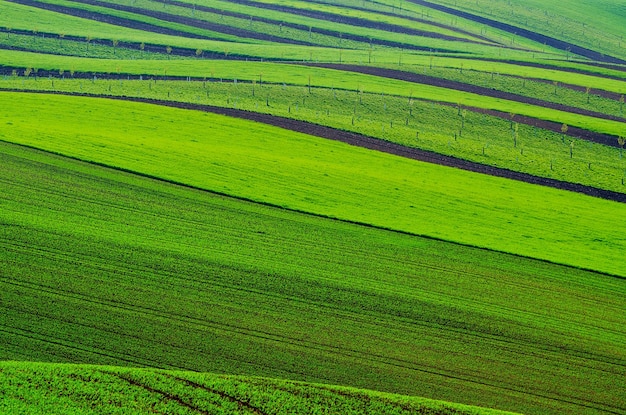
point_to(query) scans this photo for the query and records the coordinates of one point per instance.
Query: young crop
(36, 387)
(413, 123)
(299, 236)
(168, 276)
(261, 166)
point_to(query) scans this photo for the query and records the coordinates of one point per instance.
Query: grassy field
(166, 276)
(38, 388)
(16, 16)
(276, 166)
(172, 260)
(481, 138)
(331, 78)
(598, 25)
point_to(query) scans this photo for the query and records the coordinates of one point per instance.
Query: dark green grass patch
(82, 389)
(55, 44)
(103, 267)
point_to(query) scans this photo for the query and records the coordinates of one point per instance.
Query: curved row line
(529, 34)
(370, 143)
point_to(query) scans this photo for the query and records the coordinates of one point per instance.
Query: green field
(478, 137)
(37, 388)
(156, 257)
(598, 25)
(152, 271)
(303, 173)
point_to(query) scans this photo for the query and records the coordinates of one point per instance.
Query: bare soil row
(134, 24)
(605, 139)
(332, 33)
(518, 31)
(372, 144)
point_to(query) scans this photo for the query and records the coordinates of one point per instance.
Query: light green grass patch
(333, 179)
(325, 78)
(443, 129)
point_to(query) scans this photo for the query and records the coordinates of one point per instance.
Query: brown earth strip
(560, 68)
(605, 139)
(352, 21)
(370, 143)
(118, 21)
(534, 36)
(348, 36)
(201, 24)
(418, 20)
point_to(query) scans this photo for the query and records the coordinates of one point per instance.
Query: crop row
(36, 388)
(160, 275)
(420, 124)
(21, 17)
(75, 47)
(280, 167)
(598, 26)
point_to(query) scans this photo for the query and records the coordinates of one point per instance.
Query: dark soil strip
(332, 33)
(605, 139)
(194, 22)
(372, 144)
(348, 36)
(118, 21)
(353, 21)
(550, 41)
(559, 68)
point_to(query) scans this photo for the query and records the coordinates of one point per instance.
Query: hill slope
(32, 388)
(180, 239)
(106, 267)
